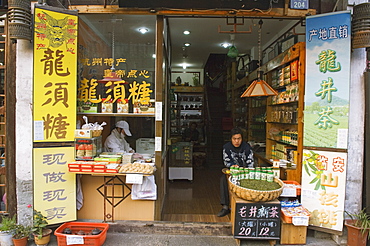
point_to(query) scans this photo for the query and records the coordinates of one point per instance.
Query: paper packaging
(82, 133)
(122, 106)
(107, 106)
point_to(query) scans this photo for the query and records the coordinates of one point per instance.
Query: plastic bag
(145, 191)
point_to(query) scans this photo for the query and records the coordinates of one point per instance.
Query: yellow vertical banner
(55, 76)
(54, 187)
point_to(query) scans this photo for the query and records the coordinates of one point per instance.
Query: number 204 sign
(257, 221)
(299, 4)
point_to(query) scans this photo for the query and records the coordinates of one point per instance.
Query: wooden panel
(291, 234)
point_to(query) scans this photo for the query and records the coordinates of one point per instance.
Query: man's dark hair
(236, 130)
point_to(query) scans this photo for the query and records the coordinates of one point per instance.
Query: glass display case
(88, 148)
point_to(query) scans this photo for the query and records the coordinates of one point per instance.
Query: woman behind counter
(116, 141)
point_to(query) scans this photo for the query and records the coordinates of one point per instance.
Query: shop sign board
(257, 221)
(328, 52)
(54, 187)
(55, 75)
(201, 4)
(323, 187)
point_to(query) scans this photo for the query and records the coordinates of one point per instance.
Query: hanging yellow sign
(54, 187)
(55, 76)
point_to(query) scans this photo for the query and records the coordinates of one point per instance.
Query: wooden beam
(158, 124)
(274, 12)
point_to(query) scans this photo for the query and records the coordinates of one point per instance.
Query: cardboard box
(122, 106)
(81, 133)
(140, 108)
(107, 106)
(86, 106)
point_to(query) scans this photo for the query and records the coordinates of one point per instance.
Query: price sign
(289, 192)
(299, 4)
(134, 178)
(300, 220)
(74, 240)
(257, 220)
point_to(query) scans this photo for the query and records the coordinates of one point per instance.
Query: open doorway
(201, 50)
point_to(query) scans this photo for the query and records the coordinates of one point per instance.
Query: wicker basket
(96, 133)
(256, 195)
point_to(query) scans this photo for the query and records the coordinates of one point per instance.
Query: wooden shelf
(279, 141)
(273, 122)
(296, 52)
(279, 104)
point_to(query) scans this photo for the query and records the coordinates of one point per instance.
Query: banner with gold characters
(55, 75)
(323, 187)
(54, 187)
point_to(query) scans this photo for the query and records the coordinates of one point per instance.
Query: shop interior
(215, 53)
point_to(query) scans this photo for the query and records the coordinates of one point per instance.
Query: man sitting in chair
(236, 152)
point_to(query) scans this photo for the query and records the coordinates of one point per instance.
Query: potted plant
(40, 232)
(21, 234)
(358, 226)
(6, 227)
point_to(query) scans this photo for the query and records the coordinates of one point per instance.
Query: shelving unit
(257, 118)
(186, 107)
(284, 112)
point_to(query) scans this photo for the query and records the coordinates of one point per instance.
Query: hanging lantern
(233, 52)
(259, 87)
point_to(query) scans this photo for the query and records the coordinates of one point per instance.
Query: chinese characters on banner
(134, 88)
(328, 47)
(55, 68)
(323, 187)
(257, 220)
(54, 187)
(54, 112)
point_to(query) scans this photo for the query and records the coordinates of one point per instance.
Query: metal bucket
(361, 26)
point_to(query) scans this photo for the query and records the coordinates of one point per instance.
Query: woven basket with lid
(256, 195)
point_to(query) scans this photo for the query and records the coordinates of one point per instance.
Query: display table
(255, 220)
(113, 196)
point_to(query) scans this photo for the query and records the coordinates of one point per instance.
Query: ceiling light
(154, 56)
(187, 44)
(186, 32)
(143, 30)
(184, 65)
(225, 45)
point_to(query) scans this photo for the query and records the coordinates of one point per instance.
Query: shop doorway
(201, 51)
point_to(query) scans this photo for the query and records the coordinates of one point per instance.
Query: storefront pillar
(356, 123)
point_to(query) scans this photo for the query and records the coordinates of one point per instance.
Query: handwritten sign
(257, 220)
(74, 240)
(300, 220)
(289, 192)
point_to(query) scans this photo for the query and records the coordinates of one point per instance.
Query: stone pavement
(138, 233)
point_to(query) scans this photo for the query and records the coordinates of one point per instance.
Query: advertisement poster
(328, 47)
(55, 75)
(323, 187)
(54, 187)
